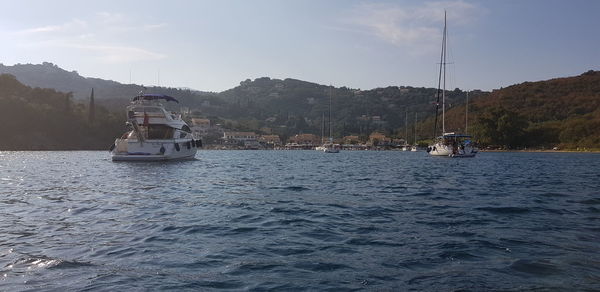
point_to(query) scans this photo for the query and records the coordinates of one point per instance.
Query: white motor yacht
(156, 134)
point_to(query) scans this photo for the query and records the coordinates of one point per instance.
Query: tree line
(562, 112)
(45, 119)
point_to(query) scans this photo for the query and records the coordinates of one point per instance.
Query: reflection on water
(290, 220)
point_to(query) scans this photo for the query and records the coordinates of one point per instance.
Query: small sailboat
(155, 134)
(321, 147)
(330, 147)
(405, 146)
(448, 144)
(414, 146)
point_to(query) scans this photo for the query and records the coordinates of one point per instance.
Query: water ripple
(300, 221)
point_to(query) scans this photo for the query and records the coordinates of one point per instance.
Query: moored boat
(453, 145)
(155, 134)
(449, 144)
(329, 147)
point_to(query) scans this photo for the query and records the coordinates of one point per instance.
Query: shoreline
(545, 151)
(215, 149)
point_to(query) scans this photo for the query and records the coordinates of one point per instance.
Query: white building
(200, 127)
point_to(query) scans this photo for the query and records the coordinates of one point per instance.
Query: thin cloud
(155, 26)
(108, 18)
(416, 28)
(100, 37)
(119, 54)
(42, 29)
(120, 22)
(70, 26)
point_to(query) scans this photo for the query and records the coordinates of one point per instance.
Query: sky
(214, 45)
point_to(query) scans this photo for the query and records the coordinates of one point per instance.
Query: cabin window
(157, 132)
(186, 128)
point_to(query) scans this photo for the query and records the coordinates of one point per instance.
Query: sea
(300, 221)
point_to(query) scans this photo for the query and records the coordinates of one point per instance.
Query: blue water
(300, 220)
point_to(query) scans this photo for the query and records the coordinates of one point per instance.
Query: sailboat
(449, 144)
(330, 147)
(322, 148)
(414, 146)
(405, 146)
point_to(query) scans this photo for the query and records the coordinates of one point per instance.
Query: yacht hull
(134, 157)
(158, 150)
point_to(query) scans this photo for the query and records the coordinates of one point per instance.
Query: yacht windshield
(157, 132)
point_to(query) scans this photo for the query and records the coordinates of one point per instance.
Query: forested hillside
(285, 107)
(45, 119)
(292, 106)
(110, 94)
(562, 112)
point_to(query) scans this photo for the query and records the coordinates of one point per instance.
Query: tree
(499, 126)
(92, 109)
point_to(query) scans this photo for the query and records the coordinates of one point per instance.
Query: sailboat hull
(449, 151)
(440, 150)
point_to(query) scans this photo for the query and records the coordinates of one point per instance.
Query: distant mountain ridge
(109, 93)
(48, 75)
(563, 111)
(285, 107)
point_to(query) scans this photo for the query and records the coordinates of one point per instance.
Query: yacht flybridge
(155, 134)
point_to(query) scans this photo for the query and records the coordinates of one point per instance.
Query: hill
(562, 112)
(111, 94)
(291, 106)
(46, 119)
(285, 107)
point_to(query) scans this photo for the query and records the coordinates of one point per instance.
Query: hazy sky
(213, 45)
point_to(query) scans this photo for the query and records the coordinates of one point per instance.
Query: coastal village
(214, 136)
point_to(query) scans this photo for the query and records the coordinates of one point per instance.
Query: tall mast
(323, 129)
(437, 103)
(415, 128)
(444, 87)
(406, 126)
(467, 115)
(330, 129)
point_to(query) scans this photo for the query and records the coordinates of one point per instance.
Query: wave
(44, 262)
(535, 267)
(505, 210)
